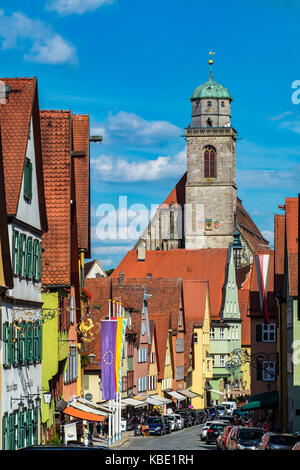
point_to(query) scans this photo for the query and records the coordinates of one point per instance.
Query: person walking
(135, 422)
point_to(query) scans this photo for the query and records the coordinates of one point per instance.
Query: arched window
(209, 162)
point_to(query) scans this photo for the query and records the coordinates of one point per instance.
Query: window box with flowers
(85, 295)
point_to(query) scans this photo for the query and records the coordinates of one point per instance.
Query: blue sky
(133, 65)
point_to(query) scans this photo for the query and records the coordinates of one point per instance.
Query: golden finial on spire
(210, 62)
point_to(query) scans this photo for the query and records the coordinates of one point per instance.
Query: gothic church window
(209, 162)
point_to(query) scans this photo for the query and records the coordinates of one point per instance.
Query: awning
(133, 402)
(83, 411)
(162, 399)
(176, 395)
(76, 413)
(262, 400)
(217, 391)
(153, 401)
(188, 394)
(96, 406)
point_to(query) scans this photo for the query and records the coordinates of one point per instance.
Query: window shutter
(24, 249)
(20, 253)
(29, 258)
(15, 247)
(34, 258)
(39, 261)
(258, 333)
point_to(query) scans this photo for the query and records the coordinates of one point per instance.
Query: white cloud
(268, 179)
(67, 7)
(111, 250)
(268, 235)
(281, 116)
(117, 169)
(133, 129)
(45, 46)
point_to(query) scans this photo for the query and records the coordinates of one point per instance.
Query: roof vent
(121, 278)
(149, 275)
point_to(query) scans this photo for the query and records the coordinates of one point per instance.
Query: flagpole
(109, 402)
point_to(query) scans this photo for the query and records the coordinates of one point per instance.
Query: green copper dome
(211, 89)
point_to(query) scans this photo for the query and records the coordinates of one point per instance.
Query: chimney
(4, 92)
(141, 252)
(121, 278)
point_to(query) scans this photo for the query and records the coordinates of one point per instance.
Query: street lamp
(92, 358)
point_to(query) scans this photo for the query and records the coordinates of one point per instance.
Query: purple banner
(108, 358)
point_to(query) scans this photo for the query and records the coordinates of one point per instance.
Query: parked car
(201, 415)
(222, 410)
(296, 446)
(168, 424)
(158, 425)
(229, 419)
(205, 426)
(277, 441)
(213, 431)
(222, 438)
(174, 426)
(203, 429)
(194, 416)
(212, 412)
(244, 438)
(186, 415)
(230, 405)
(180, 420)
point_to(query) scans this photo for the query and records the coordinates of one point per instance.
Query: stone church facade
(203, 210)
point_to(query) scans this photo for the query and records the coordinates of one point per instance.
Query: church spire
(210, 62)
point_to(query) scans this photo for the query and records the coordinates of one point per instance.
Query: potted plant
(85, 295)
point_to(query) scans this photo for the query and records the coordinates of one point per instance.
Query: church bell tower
(210, 187)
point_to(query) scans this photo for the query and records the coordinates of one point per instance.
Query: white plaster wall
(29, 211)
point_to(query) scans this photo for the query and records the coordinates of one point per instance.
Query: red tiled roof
(194, 300)
(162, 322)
(177, 195)
(5, 261)
(206, 264)
(80, 137)
(15, 118)
(56, 135)
(291, 214)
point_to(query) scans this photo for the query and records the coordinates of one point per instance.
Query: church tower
(210, 193)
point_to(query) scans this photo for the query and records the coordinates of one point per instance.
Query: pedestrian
(105, 428)
(135, 422)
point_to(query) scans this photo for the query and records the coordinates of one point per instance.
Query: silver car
(173, 422)
(180, 421)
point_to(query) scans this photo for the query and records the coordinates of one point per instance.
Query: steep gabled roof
(162, 322)
(56, 138)
(15, 118)
(80, 147)
(205, 264)
(5, 262)
(194, 300)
